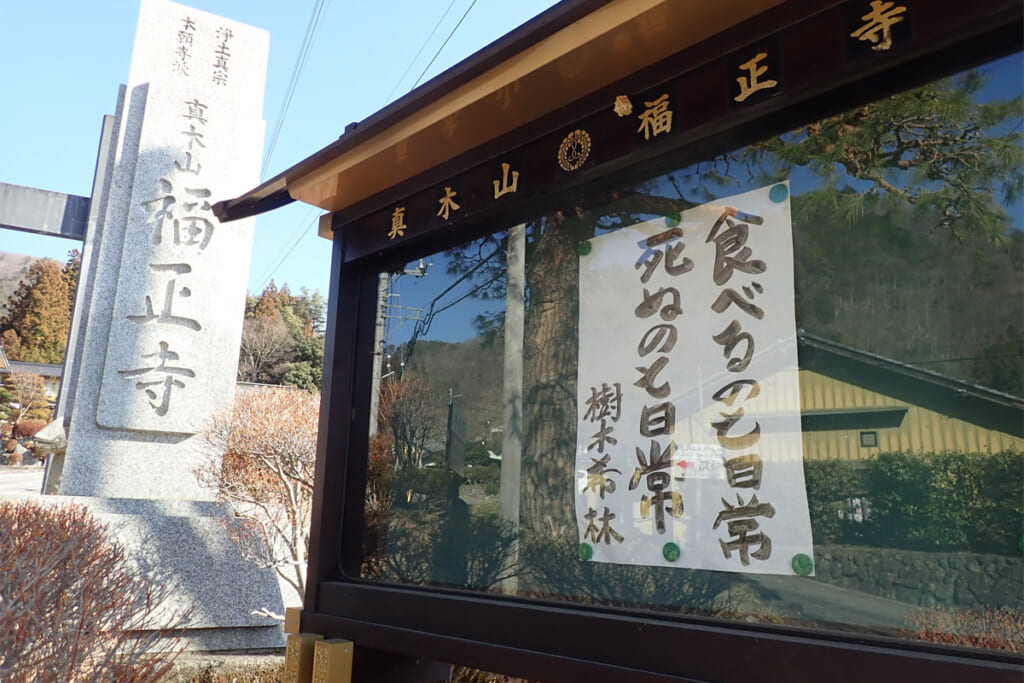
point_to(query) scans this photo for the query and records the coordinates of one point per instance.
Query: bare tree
(261, 460)
(407, 407)
(265, 350)
(29, 392)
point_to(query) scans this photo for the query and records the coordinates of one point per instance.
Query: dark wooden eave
(572, 49)
(273, 193)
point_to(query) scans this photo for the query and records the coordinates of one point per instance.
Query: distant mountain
(470, 372)
(12, 269)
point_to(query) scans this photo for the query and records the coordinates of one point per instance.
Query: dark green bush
(948, 501)
(476, 455)
(830, 485)
(411, 483)
(484, 474)
(552, 567)
(1002, 497)
(450, 547)
(923, 502)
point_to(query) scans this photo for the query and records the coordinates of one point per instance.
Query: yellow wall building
(856, 404)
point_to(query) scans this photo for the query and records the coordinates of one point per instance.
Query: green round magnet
(802, 565)
(671, 552)
(583, 248)
(778, 193)
(673, 219)
(585, 552)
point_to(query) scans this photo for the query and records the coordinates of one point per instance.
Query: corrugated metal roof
(43, 369)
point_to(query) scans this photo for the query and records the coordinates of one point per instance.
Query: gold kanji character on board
(880, 20)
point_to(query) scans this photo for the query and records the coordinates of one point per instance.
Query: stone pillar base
(185, 544)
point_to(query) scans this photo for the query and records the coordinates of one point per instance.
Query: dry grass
(989, 628)
(226, 668)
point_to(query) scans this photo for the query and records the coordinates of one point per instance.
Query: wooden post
(332, 661)
(292, 617)
(298, 657)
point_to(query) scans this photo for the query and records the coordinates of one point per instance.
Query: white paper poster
(689, 449)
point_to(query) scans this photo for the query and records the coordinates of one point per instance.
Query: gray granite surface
(167, 298)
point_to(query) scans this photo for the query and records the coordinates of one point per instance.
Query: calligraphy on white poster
(689, 449)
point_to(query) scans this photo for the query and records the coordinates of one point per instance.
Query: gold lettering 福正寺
(880, 20)
(750, 84)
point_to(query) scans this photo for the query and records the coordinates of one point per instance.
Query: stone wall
(924, 579)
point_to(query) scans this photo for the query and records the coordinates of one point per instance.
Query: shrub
(1000, 514)
(483, 474)
(465, 674)
(476, 454)
(428, 482)
(948, 501)
(27, 428)
(72, 607)
(451, 547)
(551, 567)
(267, 437)
(830, 484)
(379, 492)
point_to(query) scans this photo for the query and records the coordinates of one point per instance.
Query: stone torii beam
(43, 212)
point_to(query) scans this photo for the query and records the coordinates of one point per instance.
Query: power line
(280, 262)
(419, 52)
(302, 231)
(311, 29)
(300, 60)
(464, 14)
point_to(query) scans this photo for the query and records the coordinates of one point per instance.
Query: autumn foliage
(282, 338)
(261, 460)
(27, 428)
(35, 328)
(72, 608)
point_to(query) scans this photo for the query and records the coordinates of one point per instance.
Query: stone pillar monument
(166, 298)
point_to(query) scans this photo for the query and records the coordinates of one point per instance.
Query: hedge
(948, 501)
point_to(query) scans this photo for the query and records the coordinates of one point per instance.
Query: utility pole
(512, 411)
(378, 348)
(380, 330)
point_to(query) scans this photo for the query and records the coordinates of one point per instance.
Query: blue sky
(63, 62)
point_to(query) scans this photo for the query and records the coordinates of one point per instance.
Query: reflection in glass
(907, 258)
